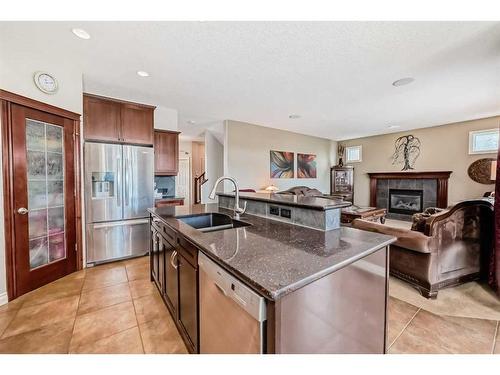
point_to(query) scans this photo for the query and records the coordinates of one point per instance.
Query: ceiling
(336, 75)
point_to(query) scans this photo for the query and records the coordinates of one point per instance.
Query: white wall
(247, 156)
(214, 165)
(18, 63)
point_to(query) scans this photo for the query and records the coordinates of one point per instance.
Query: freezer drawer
(116, 240)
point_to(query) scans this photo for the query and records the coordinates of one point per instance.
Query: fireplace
(405, 201)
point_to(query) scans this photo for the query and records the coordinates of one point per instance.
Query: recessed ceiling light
(80, 33)
(191, 122)
(294, 116)
(403, 81)
(393, 126)
(142, 73)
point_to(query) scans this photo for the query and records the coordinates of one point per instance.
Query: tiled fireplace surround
(428, 186)
(433, 184)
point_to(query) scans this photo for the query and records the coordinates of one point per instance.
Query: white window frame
(473, 134)
(360, 148)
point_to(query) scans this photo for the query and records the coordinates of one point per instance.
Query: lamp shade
(271, 188)
(493, 173)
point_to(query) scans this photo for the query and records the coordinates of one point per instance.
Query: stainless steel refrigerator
(118, 192)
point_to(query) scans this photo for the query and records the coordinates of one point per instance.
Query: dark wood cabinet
(169, 202)
(166, 144)
(111, 120)
(137, 124)
(174, 269)
(101, 119)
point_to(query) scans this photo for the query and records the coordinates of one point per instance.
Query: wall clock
(46, 82)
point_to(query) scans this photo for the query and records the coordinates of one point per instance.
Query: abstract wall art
(282, 164)
(306, 166)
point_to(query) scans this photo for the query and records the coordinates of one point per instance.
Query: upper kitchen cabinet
(112, 120)
(166, 144)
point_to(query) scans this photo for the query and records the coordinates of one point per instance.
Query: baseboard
(3, 298)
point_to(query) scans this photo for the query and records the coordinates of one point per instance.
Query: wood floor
(106, 309)
(114, 308)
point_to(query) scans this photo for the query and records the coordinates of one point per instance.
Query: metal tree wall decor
(407, 150)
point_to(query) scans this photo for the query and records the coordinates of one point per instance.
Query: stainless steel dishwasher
(232, 316)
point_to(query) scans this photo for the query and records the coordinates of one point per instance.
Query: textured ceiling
(336, 75)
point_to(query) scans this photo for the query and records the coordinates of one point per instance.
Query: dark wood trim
(442, 178)
(118, 100)
(6, 100)
(410, 175)
(167, 131)
(35, 104)
(8, 203)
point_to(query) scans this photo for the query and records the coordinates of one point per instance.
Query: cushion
(419, 219)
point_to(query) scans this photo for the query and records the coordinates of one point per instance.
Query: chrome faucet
(237, 209)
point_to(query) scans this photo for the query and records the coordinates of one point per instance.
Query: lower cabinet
(188, 299)
(174, 269)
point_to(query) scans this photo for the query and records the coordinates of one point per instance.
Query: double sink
(212, 222)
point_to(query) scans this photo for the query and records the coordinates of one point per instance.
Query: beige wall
(443, 148)
(247, 155)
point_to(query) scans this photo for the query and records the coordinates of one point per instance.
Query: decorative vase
(341, 162)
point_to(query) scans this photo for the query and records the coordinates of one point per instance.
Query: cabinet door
(101, 119)
(166, 146)
(170, 270)
(188, 299)
(137, 124)
(154, 256)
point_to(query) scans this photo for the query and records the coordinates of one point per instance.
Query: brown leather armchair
(455, 247)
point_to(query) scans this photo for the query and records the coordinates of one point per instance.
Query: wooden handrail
(198, 182)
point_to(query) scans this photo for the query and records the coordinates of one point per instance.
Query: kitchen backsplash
(165, 185)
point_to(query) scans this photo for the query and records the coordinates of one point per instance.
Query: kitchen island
(324, 291)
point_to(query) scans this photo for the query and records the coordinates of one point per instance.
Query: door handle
(22, 211)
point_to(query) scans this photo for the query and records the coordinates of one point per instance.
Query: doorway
(41, 193)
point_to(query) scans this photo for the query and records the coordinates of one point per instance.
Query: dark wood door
(166, 146)
(43, 197)
(101, 119)
(137, 124)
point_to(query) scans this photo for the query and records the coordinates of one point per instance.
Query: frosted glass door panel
(45, 157)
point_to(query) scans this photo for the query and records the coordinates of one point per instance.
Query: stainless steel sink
(211, 222)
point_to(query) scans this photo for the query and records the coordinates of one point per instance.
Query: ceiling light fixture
(393, 126)
(294, 116)
(142, 73)
(80, 33)
(403, 81)
(191, 122)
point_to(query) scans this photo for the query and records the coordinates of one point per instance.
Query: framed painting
(306, 166)
(282, 164)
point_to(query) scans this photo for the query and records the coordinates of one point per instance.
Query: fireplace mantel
(441, 177)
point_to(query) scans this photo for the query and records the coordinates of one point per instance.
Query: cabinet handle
(172, 257)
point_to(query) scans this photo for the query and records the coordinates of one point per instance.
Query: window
(353, 154)
(483, 141)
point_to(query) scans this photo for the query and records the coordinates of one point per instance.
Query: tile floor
(112, 308)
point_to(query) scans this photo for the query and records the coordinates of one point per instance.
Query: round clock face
(45, 82)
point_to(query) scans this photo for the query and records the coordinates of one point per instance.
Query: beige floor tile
(141, 288)
(5, 318)
(150, 307)
(34, 317)
(160, 336)
(58, 289)
(430, 333)
(399, 314)
(99, 324)
(125, 342)
(53, 338)
(135, 261)
(496, 349)
(12, 305)
(138, 271)
(104, 277)
(97, 299)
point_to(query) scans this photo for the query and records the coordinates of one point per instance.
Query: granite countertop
(273, 257)
(315, 203)
(169, 198)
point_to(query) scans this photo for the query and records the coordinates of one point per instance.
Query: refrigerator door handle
(127, 177)
(119, 183)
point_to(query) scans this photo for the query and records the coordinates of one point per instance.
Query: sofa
(455, 246)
